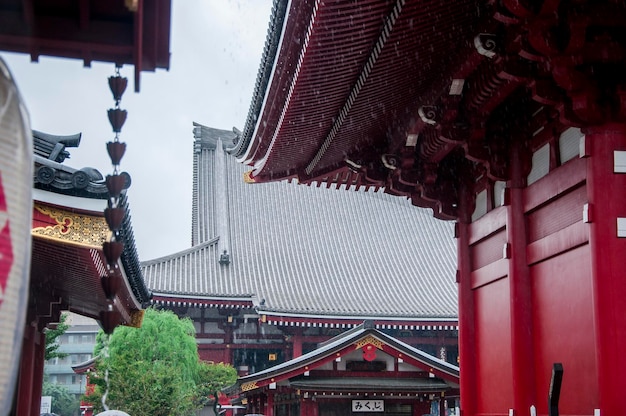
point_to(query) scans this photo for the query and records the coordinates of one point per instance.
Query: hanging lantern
(113, 413)
(369, 352)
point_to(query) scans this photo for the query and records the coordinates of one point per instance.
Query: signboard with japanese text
(46, 404)
(366, 405)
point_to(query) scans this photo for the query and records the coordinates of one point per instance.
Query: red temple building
(68, 261)
(264, 289)
(361, 370)
(507, 118)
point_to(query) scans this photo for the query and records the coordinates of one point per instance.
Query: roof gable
(366, 340)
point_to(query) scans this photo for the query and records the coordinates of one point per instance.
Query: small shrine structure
(360, 371)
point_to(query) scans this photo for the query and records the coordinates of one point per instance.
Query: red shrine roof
(437, 375)
(129, 32)
(68, 230)
(302, 255)
(413, 95)
(344, 85)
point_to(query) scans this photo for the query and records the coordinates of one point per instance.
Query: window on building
(498, 193)
(481, 205)
(569, 144)
(541, 164)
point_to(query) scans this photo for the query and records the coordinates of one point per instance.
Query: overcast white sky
(216, 48)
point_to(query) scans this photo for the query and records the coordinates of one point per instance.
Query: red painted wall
(493, 352)
(563, 330)
(553, 242)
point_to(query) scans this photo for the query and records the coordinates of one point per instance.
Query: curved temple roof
(416, 96)
(68, 231)
(298, 251)
(341, 84)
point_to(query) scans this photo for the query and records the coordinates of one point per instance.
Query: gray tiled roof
(305, 250)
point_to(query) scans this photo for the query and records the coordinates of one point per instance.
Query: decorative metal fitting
(116, 151)
(117, 84)
(114, 217)
(390, 161)
(353, 166)
(485, 44)
(117, 118)
(115, 185)
(428, 114)
(112, 251)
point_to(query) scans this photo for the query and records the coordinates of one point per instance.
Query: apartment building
(78, 343)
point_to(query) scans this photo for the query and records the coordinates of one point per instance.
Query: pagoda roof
(302, 253)
(364, 336)
(340, 89)
(69, 228)
(417, 96)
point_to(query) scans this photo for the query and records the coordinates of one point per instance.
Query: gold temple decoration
(72, 228)
(369, 340)
(136, 318)
(247, 177)
(249, 386)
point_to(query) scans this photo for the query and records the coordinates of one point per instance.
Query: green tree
(213, 378)
(64, 403)
(152, 370)
(52, 335)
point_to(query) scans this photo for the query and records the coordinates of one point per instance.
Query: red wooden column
(467, 333)
(297, 344)
(607, 198)
(269, 404)
(40, 353)
(520, 288)
(227, 356)
(308, 407)
(25, 379)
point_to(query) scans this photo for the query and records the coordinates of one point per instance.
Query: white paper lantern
(16, 182)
